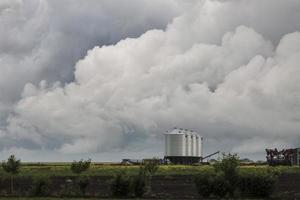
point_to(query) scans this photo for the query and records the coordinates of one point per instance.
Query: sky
(105, 79)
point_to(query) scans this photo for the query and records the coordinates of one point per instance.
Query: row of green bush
(248, 185)
(214, 184)
(40, 186)
(13, 165)
(124, 185)
(121, 185)
(227, 181)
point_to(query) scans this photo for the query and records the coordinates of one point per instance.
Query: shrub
(227, 180)
(120, 185)
(139, 183)
(221, 186)
(212, 184)
(41, 186)
(228, 166)
(78, 167)
(12, 166)
(257, 184)
(151, 165)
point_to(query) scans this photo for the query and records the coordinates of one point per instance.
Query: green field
(96, 169)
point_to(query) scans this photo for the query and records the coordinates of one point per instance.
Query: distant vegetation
(12, 167)
(124, 185)
(225, 178)
(100, 169)
(78, 167)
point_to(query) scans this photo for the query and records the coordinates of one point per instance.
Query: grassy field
(104, 170)
(63, 169)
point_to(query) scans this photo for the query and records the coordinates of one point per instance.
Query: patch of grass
(96, 169)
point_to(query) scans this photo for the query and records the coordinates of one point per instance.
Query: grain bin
(175, 144)
(199, 146)
(183, 146)
(188, 147)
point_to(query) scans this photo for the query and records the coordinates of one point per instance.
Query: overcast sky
(105, 79)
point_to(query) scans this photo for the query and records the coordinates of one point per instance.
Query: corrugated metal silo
(175, 143)
(194, 145)
(183, 146)
(188, 143)
(200, 146)
(197, 145)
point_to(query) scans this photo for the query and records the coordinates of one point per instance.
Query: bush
(151, 165)
(12, 166)
(257, 184)
(139, 183)
(213, 184)
(41, 186)
(229, 167)
(120, 185)
(228, 181)
(221, 186)
(78, 167)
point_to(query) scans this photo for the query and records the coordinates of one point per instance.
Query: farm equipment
(283, 157)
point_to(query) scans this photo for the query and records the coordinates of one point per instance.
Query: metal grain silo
(175, 143)
(194, 145)
(183, 146)
(188, 146)
(200, 146)
(197, 145)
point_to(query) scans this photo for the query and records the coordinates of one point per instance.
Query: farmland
(102, 169)
(57, 180)
(96, 169)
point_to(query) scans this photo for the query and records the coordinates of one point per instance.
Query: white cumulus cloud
(228, 69)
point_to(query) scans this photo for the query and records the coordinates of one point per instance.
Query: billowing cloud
(228, 69)
(43, 39)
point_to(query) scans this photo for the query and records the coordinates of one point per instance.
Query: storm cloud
(42, 40)
(228, 69)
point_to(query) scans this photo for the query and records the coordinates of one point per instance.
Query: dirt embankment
(163, 187)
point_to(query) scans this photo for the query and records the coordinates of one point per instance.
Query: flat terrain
(164, 184)
(96, 169)
(100, 169)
